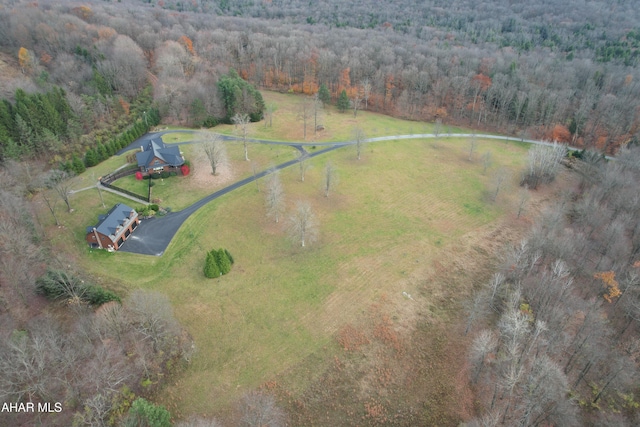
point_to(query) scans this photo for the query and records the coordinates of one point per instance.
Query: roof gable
(108, 224)
(156, 153)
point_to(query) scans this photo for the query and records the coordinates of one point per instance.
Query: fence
(109, 178)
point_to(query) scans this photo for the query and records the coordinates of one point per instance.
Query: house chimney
(95, 232)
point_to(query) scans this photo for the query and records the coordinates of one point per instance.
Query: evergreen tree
(90, 158)
(224, 264)
(211, 269)
(76, 165)
(324, 94)
(145, 414)
(240, 96)
(343, 101)
(101, 152)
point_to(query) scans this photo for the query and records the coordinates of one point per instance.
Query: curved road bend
(154, 235)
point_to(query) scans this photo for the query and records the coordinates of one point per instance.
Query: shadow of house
(158, 157)
(114, 228)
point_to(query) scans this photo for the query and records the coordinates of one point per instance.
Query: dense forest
(82, 80)
(527, 69)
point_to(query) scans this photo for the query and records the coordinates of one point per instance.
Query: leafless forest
(554, 334)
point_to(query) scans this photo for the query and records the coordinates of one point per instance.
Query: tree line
(464, 76)
(556, 328)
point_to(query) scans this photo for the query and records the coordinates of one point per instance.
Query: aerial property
(158, 157)
(114, 228)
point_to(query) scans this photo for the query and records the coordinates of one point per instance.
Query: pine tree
(343, 101)
(76, 165)
(324, 94)
(90, 158)
(224, 264)
(211, 269)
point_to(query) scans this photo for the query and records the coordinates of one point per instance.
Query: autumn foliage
(612, 288)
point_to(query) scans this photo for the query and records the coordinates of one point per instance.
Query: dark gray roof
(169, 154)
(107, 224)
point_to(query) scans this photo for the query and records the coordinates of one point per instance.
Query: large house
(113, 228)
(157, 157)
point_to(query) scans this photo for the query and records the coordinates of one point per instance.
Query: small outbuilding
(114, 228)
(158, 157)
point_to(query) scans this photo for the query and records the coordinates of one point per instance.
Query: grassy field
(337, 126)
(391, 213)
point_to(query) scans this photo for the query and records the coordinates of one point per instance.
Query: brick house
(114, 228)
(158, 157)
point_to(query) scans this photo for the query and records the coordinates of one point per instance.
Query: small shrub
(210, 122)
(172, 173)
(145, 413)
(154, 207)
(164, 174)
(155, 176)
(96, 295)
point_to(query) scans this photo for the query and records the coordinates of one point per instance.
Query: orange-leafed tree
(24, 59)
(612, 288)
(125, 105)
(187, 43)
(560, 133)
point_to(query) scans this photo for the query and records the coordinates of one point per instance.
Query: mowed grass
(390, 212)
(288, 126)
(181, 191)
(281, 305)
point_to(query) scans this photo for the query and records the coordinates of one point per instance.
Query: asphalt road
(152, 237)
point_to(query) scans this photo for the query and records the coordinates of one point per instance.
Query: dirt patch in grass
(202, 176)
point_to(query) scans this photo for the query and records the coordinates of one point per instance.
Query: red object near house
(185, 170)
(139, 176)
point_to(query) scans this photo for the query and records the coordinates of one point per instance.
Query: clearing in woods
(406, 233)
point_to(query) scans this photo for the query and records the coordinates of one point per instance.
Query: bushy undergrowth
(58, 284)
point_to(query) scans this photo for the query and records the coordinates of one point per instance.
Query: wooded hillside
(533, 69)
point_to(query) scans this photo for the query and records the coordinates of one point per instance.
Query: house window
(127, 233)
(134, 225)
(120, 241)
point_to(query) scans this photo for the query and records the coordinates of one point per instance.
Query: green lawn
(390, 213)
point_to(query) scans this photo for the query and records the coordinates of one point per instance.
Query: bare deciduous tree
(330, 178)
(269, 110)
(437, 127)
(303, 164)
(484, 343)
(303, 227)
(274, 196)
(241, 121)
(473, 144)
(359, 137)
(151, 315)
(542, 164)
(305, 111)
(486, 161)
(366, 92)
(499, 179)
(523, 200)
(215, 150)
(260, 410)
(61, 182)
